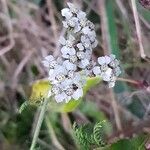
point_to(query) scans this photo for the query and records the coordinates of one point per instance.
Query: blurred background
(30, 29)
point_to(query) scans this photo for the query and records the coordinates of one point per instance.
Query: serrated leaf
(41, 88)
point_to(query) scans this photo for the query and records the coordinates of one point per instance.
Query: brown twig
(5, 16)
(20, 67)
(52, 19)
(107, 51)
(104, 27)
(130, 132)
(138, 28)
(128, 80)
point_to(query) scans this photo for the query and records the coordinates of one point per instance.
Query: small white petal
(65, 50)
(59, 60)
(88, 54)
(81, 15)
(81, 55)
(51, 71)
(107, 59)
(60, 97)
(94, 44)
(72, 7)
(62, 40)
(101, 60)
(66, 83)
(117, 71)
(84, 63)
(111, 84)
(86, 41)
(86, 30)
(72, 23)
(46, 63)
(107, 75)
(72, 51)
(90, 24)
(97, 70)
(77, 94)
(68, 65)
(92, 34)
(60, 69)
(65, 56)
(65, 24)
(49, 58)
(76, 78)
(77, 28)
(108, 71)
(80, 46)
(66, 13)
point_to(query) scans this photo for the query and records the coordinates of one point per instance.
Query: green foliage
(91, 135)
(23, 106)
(99, 133)
(90, 109)
(136, 143)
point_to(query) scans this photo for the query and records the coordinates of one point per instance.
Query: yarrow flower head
(108, 69)
(68, 73)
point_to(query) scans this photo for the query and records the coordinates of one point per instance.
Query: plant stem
(39, 123)
(138, 28)
(52, 134)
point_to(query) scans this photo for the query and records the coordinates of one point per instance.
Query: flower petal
(101, 60)
(77, 94)
(66, 13)
(62, 40)
(80, 46)
(81, 15)
(86, 30)
(60, 97)
(45, 63)
(97, 70)
(49, 58)
(68, 65)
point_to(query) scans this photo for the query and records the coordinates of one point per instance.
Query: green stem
(52, 134)
(39, 123)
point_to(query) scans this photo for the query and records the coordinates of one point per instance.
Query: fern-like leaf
(88, 135)
(99, 134)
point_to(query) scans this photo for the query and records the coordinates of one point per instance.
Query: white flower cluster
(66, 83)
(68, 73)
(108, 69)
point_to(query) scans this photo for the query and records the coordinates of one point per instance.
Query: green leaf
(23, 107)
(39, 91)
(41, 88)
(89, 135)
(136, 143)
